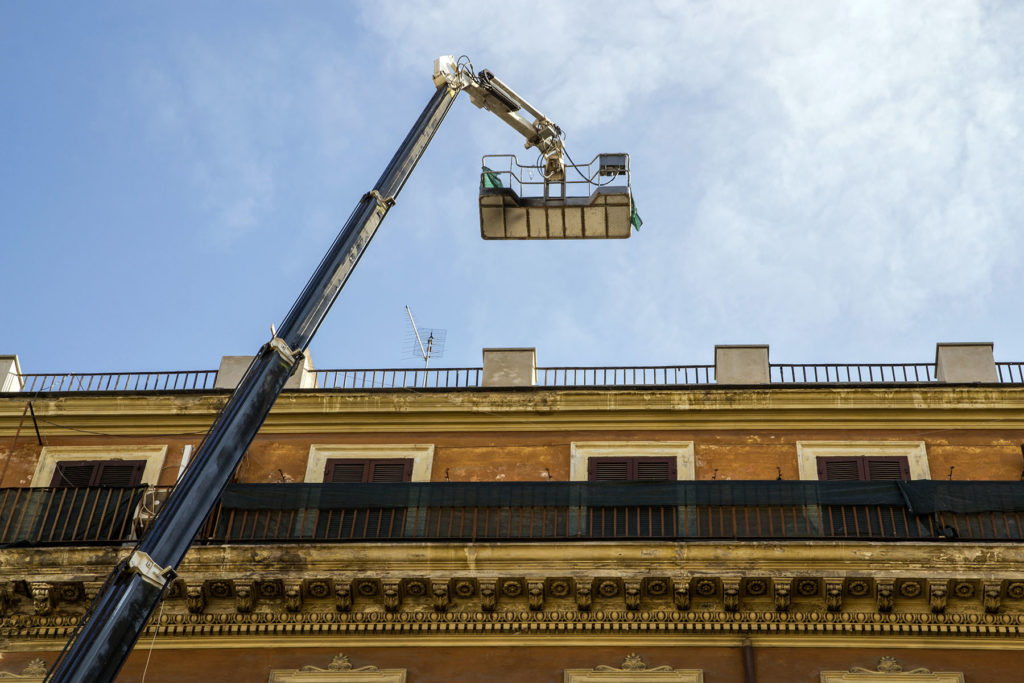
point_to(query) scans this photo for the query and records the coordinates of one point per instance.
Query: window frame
(808, 453)
(422, 456)
(50, 455)
(582, 451)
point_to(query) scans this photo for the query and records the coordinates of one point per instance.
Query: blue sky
(839, 180)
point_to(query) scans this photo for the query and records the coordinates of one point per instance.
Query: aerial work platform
(592, 202)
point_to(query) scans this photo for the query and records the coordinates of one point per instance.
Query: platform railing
(581, 180)
(547, 511)
(1010, 372)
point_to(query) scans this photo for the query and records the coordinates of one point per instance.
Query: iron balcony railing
(565, 376)
(173, 380)
(542, 511)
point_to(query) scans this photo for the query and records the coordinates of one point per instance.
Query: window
(123, 473)
(865, 468)
(679, 452)
(110, 460)
(633, 520)
(369, 462)
(368, 470)
(879, 458)
(631, 469)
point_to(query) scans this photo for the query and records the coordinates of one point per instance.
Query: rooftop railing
(565, 376)
(936, 511)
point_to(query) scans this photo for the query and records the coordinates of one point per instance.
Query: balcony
(937, 511)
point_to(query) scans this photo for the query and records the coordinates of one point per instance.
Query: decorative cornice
(539, 409)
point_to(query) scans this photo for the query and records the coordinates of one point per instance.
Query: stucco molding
(890, 671)
(633, 670)
(340, 670)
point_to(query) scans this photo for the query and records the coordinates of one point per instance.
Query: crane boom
(120, 611)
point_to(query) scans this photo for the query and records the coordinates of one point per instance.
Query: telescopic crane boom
(122, 608)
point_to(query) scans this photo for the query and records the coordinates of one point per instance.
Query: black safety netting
(918, 497)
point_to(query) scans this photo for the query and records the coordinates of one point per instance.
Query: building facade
(742, 521)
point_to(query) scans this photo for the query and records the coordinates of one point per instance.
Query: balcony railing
(567, 376)
(543, 511)
(843, 373)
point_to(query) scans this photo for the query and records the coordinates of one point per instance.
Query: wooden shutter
(864, 468)
(891, 467)
(839, 469)
(115, 473)
(608, 469)
(631, 469)
(73, 474)
(367, 470)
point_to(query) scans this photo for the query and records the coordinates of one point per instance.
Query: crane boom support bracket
(145, 566)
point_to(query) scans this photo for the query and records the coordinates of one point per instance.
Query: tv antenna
(425, 343)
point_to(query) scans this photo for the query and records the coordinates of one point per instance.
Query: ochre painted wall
(534, 456)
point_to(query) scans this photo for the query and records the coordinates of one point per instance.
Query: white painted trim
(582, 451)
(808, 453)
(422, 455)
(51, 455)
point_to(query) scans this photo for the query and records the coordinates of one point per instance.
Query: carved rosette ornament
(631, 592)
(245, 598)
(1015, 590)
(781, 594)
(42, 598)
(633, 662)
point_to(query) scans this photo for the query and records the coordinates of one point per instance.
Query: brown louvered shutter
(123, 473)
(367, 470)
(631, 469)
(396, 470)
(891, 467)
(116, 473)
(839, 469)
(345, 471)
(74, 474)
(608, 469)
(865, 468)
(655, 469)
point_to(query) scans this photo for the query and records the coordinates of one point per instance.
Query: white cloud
(852, 166)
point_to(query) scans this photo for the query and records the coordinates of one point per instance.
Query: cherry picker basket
(593, 202)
